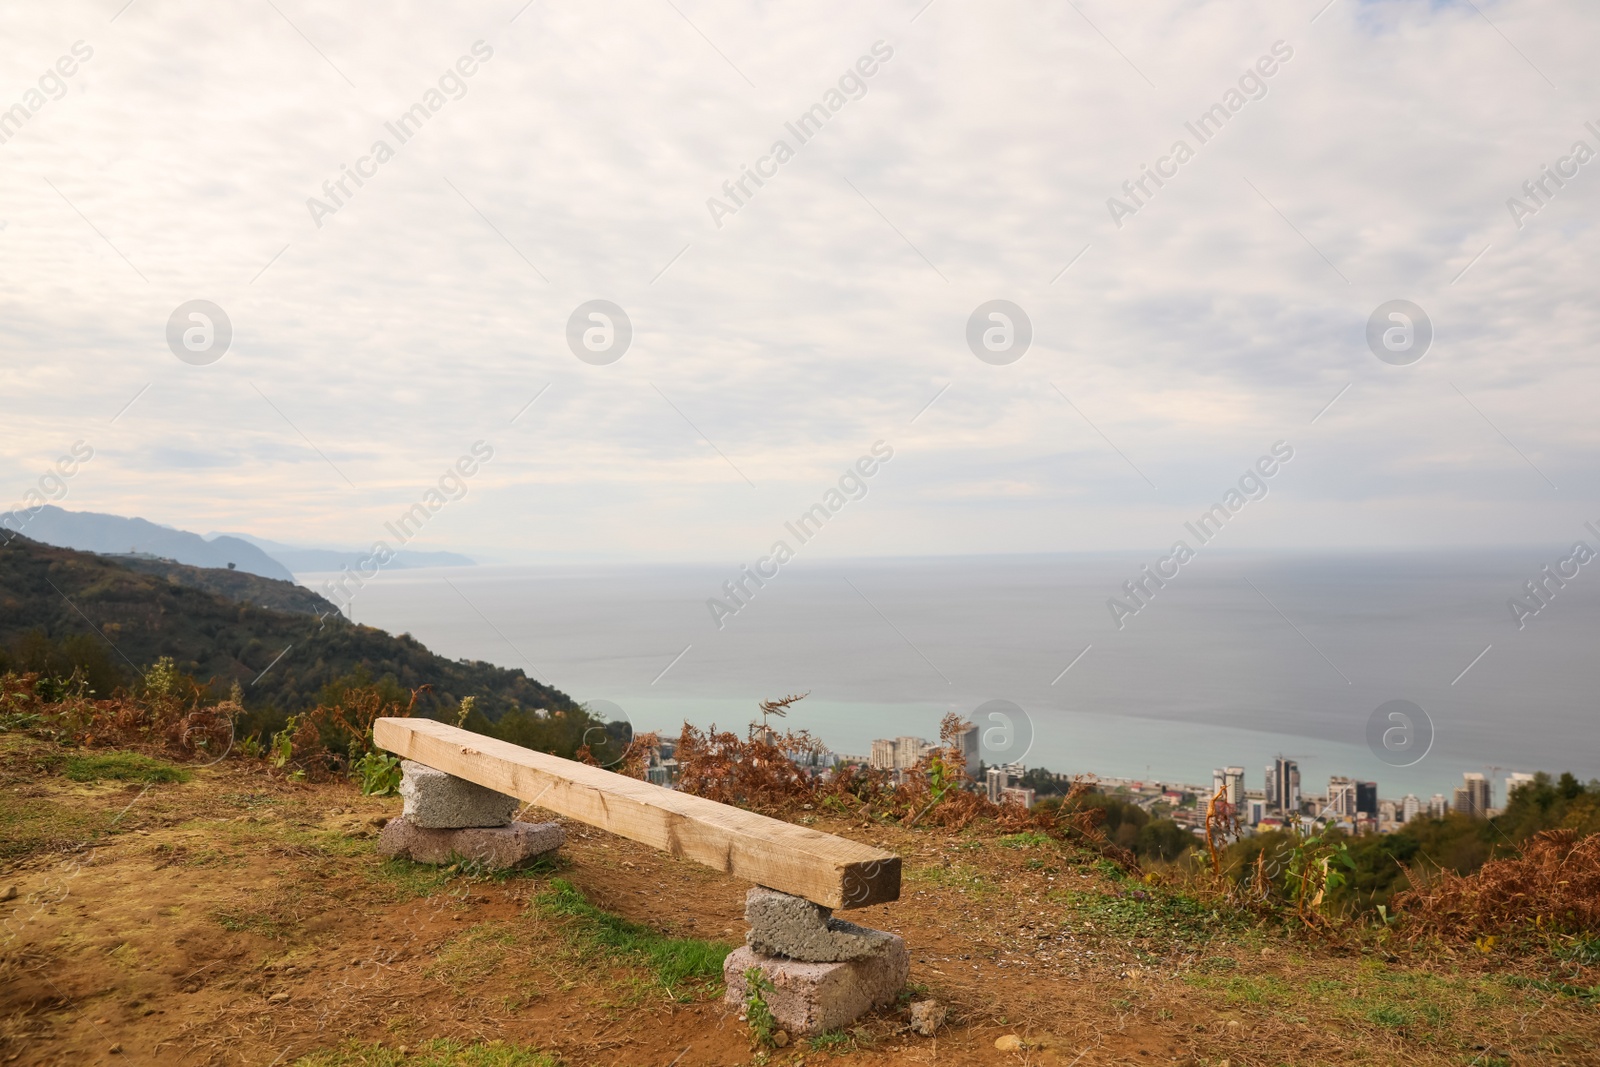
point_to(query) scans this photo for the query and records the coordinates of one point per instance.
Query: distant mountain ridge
(115, 535)
(90, 531)
(301, 560)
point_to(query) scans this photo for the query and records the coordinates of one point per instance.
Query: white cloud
(828, 311)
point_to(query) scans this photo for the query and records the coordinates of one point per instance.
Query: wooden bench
(824, 869)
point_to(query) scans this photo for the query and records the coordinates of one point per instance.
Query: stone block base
(808, 999)
(516, 845)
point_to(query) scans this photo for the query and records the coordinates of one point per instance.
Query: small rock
(115, 1049)
(1266, 953)
(1234, 1026)
(781, 1038)
(10, 893)
(1008, 1043)
(277, 998)
(927, 1016)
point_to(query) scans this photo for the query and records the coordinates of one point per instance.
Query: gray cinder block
(441, 801)
(807, 999)
(784, 925)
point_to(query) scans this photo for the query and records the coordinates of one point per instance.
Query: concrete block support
(498, 847)
(784, 925)
(440, 801)
(811, 998)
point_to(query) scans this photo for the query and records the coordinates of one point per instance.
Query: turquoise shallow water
(1240, 657)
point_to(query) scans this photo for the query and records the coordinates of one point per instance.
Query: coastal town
(1281, 801)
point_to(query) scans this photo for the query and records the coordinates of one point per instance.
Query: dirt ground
(241, 918)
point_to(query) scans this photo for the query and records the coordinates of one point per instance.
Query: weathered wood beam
(832, 871)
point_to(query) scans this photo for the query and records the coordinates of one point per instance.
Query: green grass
(443, 1053)
(123, 767)
(406, 880)
(1590, 994)
(1389, 1015)
(841, 1042)
(32, 824)
(676, 961)
(1026, 839)
(1149, 911)
(969, 879)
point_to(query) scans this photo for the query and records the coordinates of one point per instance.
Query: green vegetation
(676, 961)
(763, 1027)
(1128, 825)
(836, 1042)
(218, 641)
(122, 767)
(1376, 864)
(442, 1053)
(1148, 911)
(379, 773)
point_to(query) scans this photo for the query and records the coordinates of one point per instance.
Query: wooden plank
(827, 870)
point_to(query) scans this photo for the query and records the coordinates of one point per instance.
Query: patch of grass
(443, 1053)
(240, 921)
(276, 914)
(1588, 994)
(841, 1042)
(123, 767)
(1026, 839)
(1580, 949)
(676, 961)
(34, 824)
(547, 864)
(1389, 1015)
(1151, 912)
(969, 879)
(471, 956)
(407, 879)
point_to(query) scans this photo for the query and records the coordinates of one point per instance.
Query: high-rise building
(883, 753)
(1516, 780)
(1255, 809)
(1472, 796)
(1019, 795)
(1410, 807)
(1342, 797)
(1229, 781)
(1283, 786)
(967, 741)
(1438, 806)
(995, 782)
(1367, 798)
(907, 750)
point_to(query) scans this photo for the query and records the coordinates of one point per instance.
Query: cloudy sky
(376, 338)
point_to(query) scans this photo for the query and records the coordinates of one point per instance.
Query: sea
(1238, 658)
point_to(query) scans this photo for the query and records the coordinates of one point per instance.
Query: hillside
(241, 587)
(230, 915)
(89, 531)
(115, 620)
